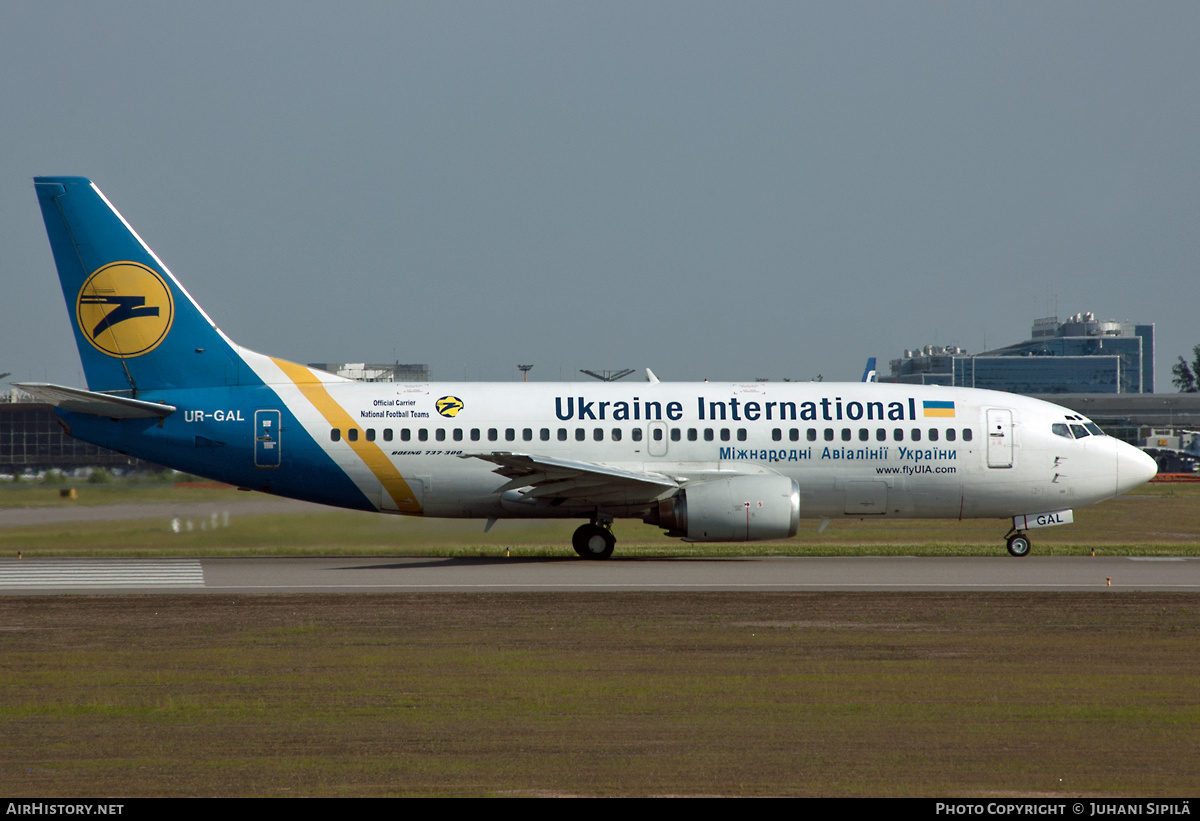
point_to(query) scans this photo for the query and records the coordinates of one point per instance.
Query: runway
(415, 575)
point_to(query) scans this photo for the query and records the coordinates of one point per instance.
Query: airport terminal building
(32, 441)
(1081, 355)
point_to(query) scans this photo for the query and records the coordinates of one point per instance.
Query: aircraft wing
(565, 479)
(97, 404)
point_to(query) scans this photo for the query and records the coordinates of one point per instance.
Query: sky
(723, 191)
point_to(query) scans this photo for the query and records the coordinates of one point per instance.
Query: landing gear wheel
(591, 541)
(1019, 545)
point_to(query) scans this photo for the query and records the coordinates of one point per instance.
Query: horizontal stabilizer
(97, 404)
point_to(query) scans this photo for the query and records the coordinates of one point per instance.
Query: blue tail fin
(869, 371)
(137, 329)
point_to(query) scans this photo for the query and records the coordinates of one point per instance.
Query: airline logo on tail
(125, 309)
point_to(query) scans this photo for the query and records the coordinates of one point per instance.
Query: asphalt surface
(375, 574)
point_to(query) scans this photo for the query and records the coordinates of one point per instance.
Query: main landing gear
(1019, 544)
(595, 540)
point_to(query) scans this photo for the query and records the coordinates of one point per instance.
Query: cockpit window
(1060, 429)
(1080, 431)
(1094, 428)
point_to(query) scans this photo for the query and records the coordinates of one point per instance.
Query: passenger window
(387, 434)
(880, 435)
(545, 434)
(828, 434)
(474, 434)
(741, 434)
(777, 434)
(675, 434)
(916, 434)
(845, 434)
(637, 434)
(864, 435)
(812, 434)
(951, 434)
(440, 434)
(405, 434)
(493, 434)
(967, 435)
(370, 434)
(580, 434)
(724, 434)
(616, 434)
(562, 434)
(933, 435)
(352, 434)
(794, 434)
(526, 434)
(458, 435)
(692, 434)
(598, 434)
(335, 435)
(708, 434)
(898, 434)
(423, 435)
(657, 434)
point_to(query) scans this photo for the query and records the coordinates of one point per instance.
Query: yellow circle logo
(125, 309)
(449, 405)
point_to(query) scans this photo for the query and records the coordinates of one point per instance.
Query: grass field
(1154, 520)
(974, 696)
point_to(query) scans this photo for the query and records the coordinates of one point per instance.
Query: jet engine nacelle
(739, 509)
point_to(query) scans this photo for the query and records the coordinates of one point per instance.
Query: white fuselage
(855, 449)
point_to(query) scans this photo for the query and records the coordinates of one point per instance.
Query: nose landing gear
(1019, 544)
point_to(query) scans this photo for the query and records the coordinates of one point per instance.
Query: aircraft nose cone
(1134, 467)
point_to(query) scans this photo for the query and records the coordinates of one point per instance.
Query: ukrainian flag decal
(938, 408)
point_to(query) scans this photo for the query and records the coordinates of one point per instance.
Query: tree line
(1187, 375)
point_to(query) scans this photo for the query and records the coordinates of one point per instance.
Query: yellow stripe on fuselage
(371, 454)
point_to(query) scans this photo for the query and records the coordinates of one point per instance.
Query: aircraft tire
(1019, 545)
(591, 541)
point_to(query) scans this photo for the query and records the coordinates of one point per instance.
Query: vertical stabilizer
(869, 371)
(136, 328)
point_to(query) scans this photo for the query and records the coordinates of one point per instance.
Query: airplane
(728, 462)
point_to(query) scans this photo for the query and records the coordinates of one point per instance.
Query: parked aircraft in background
(869, 371)
(705, 461)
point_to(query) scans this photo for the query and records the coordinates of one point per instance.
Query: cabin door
(266, 439)
(999, 438)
